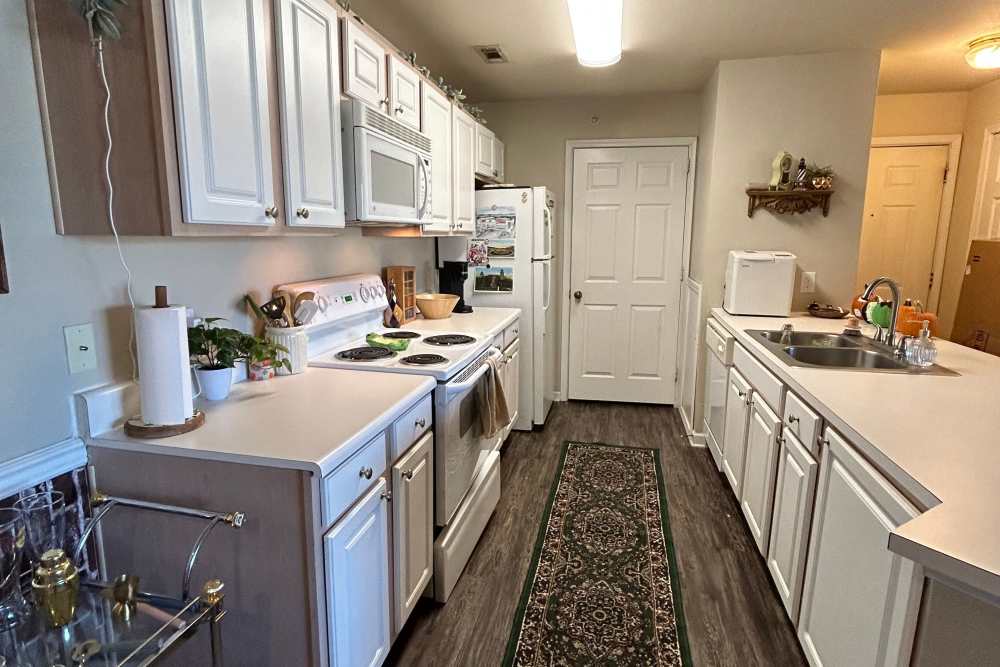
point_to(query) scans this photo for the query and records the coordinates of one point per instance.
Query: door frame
(984, 159)
(691, 143)
(954, 145)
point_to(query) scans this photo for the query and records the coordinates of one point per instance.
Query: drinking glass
(45, 522)
(13, 608)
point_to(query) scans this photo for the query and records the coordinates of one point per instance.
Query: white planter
(297, 342)
(215, 384)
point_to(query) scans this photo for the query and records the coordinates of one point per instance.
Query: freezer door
(544, 207)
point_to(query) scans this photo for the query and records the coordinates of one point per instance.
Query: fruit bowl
(436, 306)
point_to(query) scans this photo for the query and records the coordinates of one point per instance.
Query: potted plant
(214, 352)
(262, 357)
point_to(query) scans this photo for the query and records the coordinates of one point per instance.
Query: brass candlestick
(55, 586)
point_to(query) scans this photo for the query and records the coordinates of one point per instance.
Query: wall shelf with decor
(786, 201)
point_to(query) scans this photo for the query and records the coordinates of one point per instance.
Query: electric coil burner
(424, 359)
(400, 335)
(449, 339)
(365, 354)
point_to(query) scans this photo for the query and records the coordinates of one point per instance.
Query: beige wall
(535, 132)
(56, 281)
(982, 111)
(923, 113)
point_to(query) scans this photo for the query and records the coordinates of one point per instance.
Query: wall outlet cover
(80, 348)
(808, 284)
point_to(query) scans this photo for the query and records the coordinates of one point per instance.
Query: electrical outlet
(80, 350)
(808, 284)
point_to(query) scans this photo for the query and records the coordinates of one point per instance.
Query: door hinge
(677, 376)
(689, 166)
(945, 175)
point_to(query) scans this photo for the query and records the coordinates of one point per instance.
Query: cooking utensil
(275, 310)
(302, 296)
(436, 306)
(305, 311)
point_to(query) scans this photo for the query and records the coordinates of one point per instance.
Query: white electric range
(466, 460)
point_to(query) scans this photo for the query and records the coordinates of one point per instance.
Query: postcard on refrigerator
(496, 223)
(496, 279)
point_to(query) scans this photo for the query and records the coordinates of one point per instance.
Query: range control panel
(342, 297)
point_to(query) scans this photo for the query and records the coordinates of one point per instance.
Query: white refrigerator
(516, 224)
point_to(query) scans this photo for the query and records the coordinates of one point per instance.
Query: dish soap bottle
(922, 351)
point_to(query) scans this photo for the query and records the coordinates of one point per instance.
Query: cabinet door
(512, 383)
(735, 438)
(357, 583)
(484, 152)
(859, 601)
(309, 67)
(218, 65)
(498, 156)
(365, 77)
(404, 92)
(413, 525)
(464, 171)
(759, 467)
(435, 111)
(795, 487)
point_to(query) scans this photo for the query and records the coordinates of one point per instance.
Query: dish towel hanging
(491, 400)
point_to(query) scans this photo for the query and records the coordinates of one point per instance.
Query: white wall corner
(41, 465)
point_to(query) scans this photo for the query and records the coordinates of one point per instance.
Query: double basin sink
(808, 349)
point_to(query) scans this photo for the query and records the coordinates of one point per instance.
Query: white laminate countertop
(936, 437)
(481, 321)
(310, 421)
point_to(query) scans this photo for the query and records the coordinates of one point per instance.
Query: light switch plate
(808, 284)
(80, 350)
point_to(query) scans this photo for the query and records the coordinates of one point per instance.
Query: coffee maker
(451, 278)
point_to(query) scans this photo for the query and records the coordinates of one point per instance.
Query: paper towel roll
(164, 368)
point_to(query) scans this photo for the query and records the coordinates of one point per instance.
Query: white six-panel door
(987, 215)
(627, 250)
(221, 108)
(309, 68)
(435, 112)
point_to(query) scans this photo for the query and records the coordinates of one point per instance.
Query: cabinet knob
(384, 103)
(407, 475)
(303, 213)
(742, 394)
(271, 211)
(399, 110)
(792, 419)
(420, 422)
(386, 495)
(366, 473)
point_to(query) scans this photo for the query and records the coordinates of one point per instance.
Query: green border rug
(603, 587)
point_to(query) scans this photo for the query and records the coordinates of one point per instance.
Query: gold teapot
(55, 585)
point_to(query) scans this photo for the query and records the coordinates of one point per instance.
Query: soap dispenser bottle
(922, 351)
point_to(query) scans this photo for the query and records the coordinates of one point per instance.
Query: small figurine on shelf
(821, 178)
(780, 170)
(801, 176)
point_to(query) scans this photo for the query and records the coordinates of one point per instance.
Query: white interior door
(988, 197)
(627, 248)
(902, 209)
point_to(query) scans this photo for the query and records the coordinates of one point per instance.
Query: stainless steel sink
(810, 349)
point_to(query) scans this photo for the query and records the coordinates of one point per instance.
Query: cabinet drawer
(511, 333)
(762, 380)
(352, 477)
(408, 428)
(719, 342)
(803, 422)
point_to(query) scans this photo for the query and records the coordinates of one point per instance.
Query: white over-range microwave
(387, 169)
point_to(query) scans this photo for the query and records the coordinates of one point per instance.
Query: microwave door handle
(427, 187)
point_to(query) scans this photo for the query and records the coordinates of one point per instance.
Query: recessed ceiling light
(984, 53)
(597, 31)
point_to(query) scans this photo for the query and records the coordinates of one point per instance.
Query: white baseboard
(41, 465)
(695, 438)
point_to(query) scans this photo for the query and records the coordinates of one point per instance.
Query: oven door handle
(460, 387)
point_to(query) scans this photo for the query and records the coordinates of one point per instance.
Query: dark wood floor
(733, 615)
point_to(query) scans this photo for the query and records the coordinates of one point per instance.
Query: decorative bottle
(393, 313)
(922, 351)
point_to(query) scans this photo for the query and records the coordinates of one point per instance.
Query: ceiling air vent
(492, 54)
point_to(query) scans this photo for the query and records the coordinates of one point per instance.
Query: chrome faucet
(887, 336)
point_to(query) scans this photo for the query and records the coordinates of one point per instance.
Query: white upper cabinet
(463, 136)
(404, 92)
(309, 69)
(435, 110)
(484, 152)
(860, 600)
(498, 157)
(364, 66)
(221, 102)
(413, 525)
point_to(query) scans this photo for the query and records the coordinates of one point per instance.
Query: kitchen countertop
(937, 438)
(481, 321)
(310, 421)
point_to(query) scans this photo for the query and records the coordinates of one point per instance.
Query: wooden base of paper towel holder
(135, 428)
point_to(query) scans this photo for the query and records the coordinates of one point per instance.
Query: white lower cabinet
(860, 601)
(413, 525)
(794, 491)
(357, 582)
(512, 379)
(760, 463)
(735, 439)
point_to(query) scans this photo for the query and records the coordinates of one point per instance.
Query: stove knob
(364, 294)
(381, 290)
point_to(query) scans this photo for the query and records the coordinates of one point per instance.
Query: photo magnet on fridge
(496, 223)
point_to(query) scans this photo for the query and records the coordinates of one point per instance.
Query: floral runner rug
(603, 587)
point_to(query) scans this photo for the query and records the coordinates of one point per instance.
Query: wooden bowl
(436, 306)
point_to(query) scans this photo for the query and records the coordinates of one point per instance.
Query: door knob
(271, 211)
(578, 295)
(302, 213)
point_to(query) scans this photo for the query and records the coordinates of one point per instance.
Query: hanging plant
(100, 17)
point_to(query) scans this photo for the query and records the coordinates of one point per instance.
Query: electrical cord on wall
(99, 46)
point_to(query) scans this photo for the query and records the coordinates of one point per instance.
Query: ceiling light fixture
(984, 53)
(597, 31)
